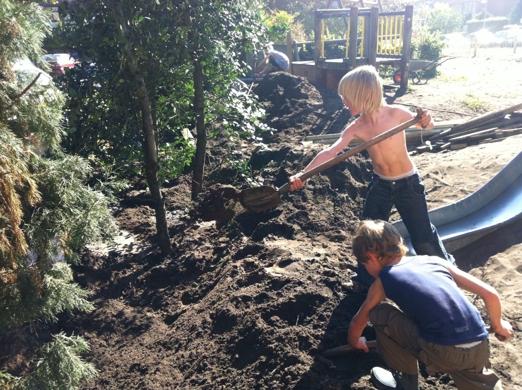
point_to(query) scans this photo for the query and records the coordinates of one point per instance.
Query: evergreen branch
(25, 90)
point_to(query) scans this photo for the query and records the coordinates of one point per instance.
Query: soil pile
(247, 300)
(296, 108)
(288, 99)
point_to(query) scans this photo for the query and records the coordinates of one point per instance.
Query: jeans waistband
(404, 175)
(415, 176)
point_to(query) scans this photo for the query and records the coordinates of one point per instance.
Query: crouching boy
(432, 321)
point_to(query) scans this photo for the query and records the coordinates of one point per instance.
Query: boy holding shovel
(395, 180)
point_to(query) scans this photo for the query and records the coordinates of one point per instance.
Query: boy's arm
(489, 295)
(330, 152)
(361, 318)
(263, 64)
(323, 156)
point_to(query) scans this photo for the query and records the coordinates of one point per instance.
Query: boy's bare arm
(360, 320)
(330, 152)
(489, 295)
(323, 156)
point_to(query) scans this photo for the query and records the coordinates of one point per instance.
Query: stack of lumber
(414, 135)
(489, 127)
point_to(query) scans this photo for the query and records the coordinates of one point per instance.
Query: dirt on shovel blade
(260, 199)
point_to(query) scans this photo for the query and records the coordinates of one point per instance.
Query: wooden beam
(319, 38)
(352, 49)
(336, 13)
(479, 121)
(290, 49)
(406, 48)
(373, 28)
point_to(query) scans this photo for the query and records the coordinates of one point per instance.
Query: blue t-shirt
(425, 291)
(280, 59)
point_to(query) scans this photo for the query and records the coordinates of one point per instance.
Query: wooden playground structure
(371, 37)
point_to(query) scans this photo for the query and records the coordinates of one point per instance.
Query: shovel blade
(260, 199)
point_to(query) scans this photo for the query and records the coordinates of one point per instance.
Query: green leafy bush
(427, 45)
(278, 24)
(443, 19)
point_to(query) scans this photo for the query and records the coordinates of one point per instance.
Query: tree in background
(439, 18)
(516, 14)
(302, 10)
(151, 70)
(47, 212)
(216, 51)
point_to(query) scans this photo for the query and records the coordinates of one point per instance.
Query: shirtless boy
(395, 180)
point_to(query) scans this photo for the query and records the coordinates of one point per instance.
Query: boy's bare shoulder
(354, 127)
(400, 113)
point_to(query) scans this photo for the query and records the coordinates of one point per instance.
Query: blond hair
(362, 86)
(378, 237)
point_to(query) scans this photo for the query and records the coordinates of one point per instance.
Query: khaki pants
(401, 346)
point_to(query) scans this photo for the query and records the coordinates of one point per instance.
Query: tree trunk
(149, 134)
(151, 167)
(201, 143)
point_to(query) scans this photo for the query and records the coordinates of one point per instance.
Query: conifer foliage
(47, 212)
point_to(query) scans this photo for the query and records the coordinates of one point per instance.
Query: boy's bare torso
(389, 157)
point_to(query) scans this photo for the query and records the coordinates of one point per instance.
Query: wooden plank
(373, 27)
(480, 120)
(336, 13)
(352, 49)
(406, 48)
(474, 135)
(411, 132)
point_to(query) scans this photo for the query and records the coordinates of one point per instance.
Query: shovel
(265, 198)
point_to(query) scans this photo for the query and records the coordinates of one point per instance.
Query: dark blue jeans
(409, 198)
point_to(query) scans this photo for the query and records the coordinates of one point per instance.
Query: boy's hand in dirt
(426, 122)
(504, 332)
(295, 182)
(361, 344)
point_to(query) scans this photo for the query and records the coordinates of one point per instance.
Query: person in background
(432, 320)
(273, 61)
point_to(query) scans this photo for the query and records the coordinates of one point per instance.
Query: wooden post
(406, 49)
(319, 39)
(372, 34)
(352, 50)
(290, 50)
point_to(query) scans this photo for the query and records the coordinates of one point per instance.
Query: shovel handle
(356, 149)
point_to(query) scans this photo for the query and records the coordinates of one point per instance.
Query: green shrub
(427, 45)
(278, 24)
(59, 365)
(491, 24)
(443, 19)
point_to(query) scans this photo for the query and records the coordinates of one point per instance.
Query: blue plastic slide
(497, 203)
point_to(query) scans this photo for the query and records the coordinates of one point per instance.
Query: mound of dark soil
(248, 300)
